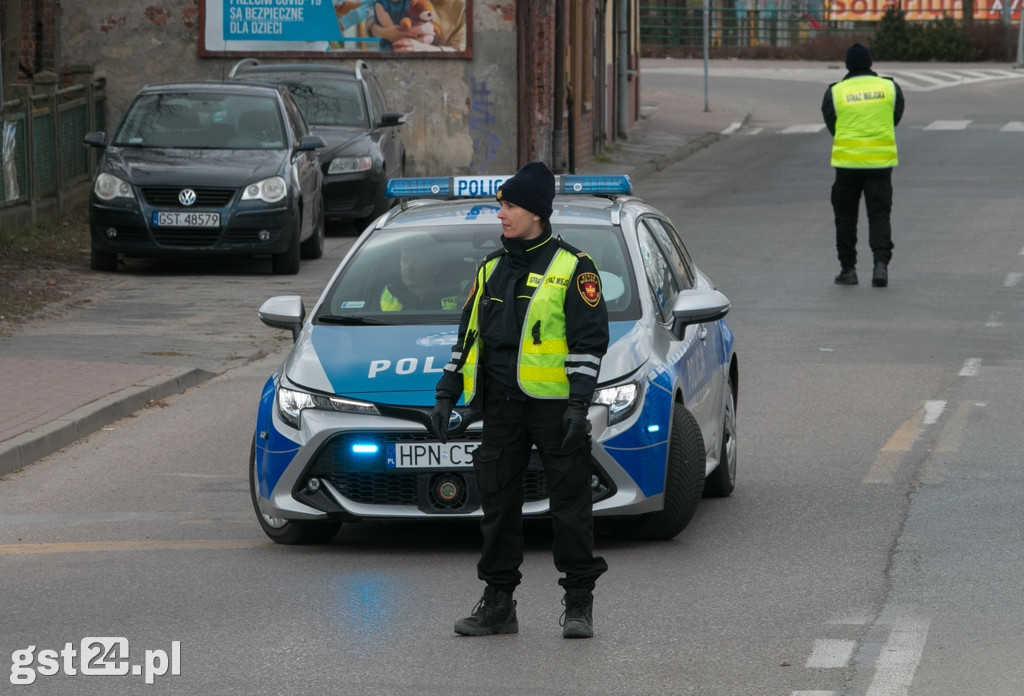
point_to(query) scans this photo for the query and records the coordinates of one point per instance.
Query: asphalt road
(872, 546)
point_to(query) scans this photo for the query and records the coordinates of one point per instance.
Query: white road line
(995, 321)
(1013, 127)
(971, 367)
(831, 654)
(815, 693)
(897, 663)
(932, 411)
(947, 125)
(733, 127)
(809, 128)
(1013, 280)
(754, 131)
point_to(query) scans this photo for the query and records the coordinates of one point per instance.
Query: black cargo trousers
(876, 187)
(511, 427)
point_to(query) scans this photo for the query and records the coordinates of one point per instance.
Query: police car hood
(400, 365)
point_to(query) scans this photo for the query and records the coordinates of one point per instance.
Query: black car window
(379, 104)
(202, 120)
(663, 283)
(298, 123)
(329, 102)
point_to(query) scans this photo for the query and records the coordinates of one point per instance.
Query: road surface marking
(947, 125)
(831, 654)
(806, 128)
(884, 468)
(1013, 280)
(971, 367)
(897, 663)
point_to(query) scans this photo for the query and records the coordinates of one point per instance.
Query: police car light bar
(486, 186)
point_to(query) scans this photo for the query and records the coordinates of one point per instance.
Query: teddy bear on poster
(421, 20)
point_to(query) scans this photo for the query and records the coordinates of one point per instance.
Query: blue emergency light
(486, 186)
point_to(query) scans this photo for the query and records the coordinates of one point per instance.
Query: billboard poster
(342, 28)
(917, 10)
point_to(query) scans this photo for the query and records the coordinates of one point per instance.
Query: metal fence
(679, 25)
(42, 127)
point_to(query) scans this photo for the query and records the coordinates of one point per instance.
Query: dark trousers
(876, 187)
(511, 426)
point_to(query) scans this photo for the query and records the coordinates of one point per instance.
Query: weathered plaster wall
(462, 112)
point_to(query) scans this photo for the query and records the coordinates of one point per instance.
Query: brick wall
(39, 48)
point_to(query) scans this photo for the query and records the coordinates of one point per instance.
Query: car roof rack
(241, 64)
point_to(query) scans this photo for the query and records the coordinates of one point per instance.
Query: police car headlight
(292, 402)
(621, 400)
(348, 165)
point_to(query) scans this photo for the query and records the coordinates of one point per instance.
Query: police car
(342, 428)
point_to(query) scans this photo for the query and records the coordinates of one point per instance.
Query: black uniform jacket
(503, 306)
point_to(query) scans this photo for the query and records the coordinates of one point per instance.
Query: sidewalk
(49, 403)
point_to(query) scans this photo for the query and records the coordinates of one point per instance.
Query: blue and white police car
(341, 433)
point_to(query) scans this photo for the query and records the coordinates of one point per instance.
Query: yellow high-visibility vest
(865, 135)
(542, 353)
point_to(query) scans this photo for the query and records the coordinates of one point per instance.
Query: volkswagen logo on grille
(187, 197)
(455, 420)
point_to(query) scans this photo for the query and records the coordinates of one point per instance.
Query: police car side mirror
(698, 307)
(284, 312)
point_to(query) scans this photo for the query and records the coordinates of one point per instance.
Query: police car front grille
(370, 482)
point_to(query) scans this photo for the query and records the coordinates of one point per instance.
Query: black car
(347, 108)
(208, 168)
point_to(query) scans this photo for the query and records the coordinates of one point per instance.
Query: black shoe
(577, 620)
(880, 278)
(847, 276)
(494, 613)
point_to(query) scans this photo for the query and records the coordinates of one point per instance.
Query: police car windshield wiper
(352, 319)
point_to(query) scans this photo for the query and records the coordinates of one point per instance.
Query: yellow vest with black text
(541, 362)
(865, 136)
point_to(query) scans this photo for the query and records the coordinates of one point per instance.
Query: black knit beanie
(858, 58)
(532, 188)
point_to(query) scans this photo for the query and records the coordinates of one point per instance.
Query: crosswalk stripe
(947, 125)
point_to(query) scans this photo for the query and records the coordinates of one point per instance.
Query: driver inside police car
(421, 283)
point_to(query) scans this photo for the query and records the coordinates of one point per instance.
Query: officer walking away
(861, 112)
(531, 339)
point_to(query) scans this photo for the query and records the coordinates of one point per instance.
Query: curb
(26, 448)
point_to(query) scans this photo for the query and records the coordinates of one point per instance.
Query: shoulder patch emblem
(589, 287)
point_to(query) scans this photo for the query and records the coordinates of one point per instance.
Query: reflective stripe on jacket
(865, 136)
(543, 345)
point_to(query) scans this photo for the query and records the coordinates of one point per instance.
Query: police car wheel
(722, 480)
(684, 484)
(289, 532)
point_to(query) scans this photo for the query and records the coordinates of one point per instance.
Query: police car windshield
(423, 275)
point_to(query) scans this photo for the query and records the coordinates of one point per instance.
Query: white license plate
(430, 455)
(186, 219)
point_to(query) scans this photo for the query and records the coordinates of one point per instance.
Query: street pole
(1020, 39)
(707, 49)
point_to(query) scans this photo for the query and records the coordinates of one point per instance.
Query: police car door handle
(703, 332)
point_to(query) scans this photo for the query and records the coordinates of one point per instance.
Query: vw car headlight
(621, 400)
(292, 402)
(108, 187)
(348, 165)
(269, 190)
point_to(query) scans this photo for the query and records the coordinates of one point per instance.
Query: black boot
(880, 277)
(494, 613)
(847, 276)
(578, 618)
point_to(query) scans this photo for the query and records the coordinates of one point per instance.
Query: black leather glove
(577, 427)
(440, 415)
